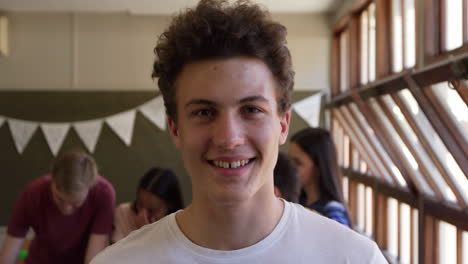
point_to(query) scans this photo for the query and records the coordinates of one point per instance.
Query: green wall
(121, 165)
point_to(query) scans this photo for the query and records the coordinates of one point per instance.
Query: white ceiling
(154, 7)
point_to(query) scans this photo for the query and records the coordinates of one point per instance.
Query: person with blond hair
(70, 211)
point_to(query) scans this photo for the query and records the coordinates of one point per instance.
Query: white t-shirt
(301, 236)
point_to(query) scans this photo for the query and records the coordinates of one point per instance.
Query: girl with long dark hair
(313, 152)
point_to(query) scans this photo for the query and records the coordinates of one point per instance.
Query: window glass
(369, 211)
(397, 26)
(453, 105)
(453, 24)
(410, 34)
(364, 47)
(442, 153)
(447, 243)
(404, 151)
(392, 227)
(355, 160)
(361, 206)
(415, 228)
(345, 188)
(375, 142)
(405, 233)
(418, 148)
(465, 247)
(366, 145)
(372, 42)
(346, 151)
(344, 61)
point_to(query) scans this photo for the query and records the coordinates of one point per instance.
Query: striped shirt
(333, 210)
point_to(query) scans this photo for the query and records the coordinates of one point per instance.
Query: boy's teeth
(233, 164)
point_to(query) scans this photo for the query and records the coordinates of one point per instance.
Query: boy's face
(68, 203)
(228, 128)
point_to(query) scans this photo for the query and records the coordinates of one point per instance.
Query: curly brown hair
(216, 30)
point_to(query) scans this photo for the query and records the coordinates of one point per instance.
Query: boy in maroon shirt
(70, 211)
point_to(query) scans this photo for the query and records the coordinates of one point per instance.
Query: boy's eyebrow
(211, 103)
(199, 102)
(253, 98)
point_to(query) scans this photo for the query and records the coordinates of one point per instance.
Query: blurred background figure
(313, 152)
(70, 211)
(286, 179)
(158, 194)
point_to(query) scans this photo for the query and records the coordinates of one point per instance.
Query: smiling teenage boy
(226, 78)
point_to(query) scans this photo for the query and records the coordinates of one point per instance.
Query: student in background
(286, 179)
(158, 194)
(70, 210)
(313, 152)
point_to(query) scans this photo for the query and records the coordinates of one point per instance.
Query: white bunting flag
(122, 125)
(21, 131)
(55, 134)
(89, 131)
(2, 119)
(309, 109)
(154, 111)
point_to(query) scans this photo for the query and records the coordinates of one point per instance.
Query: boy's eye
(203, 112)
(251, 110)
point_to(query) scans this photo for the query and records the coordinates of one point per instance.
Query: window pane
(345, 188)
(415, 227)
(447, 243)
(346, 151)
(344, 61)
(372, 42)
(453, 24)
(355, 160)
(418, 148)
(392, 227)
(361, 207)
(454, 106)
(364, 47)
(363, 167)
(465, 247)
(376, 143)
(369, 211)
(403, 149)
(405, 234)
(397, 36)
(410, 34)
(339, 144)
(366, 145)
(435, 142)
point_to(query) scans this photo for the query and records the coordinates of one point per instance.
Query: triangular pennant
(21, 131)
(122, 125)
(89, 131)
(155, 112)
(2, 120)
(309, 109)
(55, 134)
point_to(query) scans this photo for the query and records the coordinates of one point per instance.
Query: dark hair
(217, 30)
(164, 184)
(318, 145)
(286, 178)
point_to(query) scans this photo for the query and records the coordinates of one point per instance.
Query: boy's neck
(230, 227)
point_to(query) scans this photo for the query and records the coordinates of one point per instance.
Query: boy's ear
(284, 123)
(173, 131)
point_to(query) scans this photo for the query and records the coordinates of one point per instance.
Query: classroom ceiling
(155, 7)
